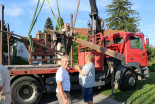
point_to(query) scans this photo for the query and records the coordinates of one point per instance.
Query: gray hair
(65, 56)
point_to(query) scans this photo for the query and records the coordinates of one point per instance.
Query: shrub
(19, 61)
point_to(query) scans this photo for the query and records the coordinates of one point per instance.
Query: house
(84, 31)
(39, 53)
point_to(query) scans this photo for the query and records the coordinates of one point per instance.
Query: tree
(75, 48)
(60, 24)
(5, 43)
(48, 24)
(122, 17)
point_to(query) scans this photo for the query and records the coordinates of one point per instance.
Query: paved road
(76, 98)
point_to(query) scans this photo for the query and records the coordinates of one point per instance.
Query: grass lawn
(143, 94)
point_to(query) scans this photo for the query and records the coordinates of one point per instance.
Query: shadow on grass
(144, 87)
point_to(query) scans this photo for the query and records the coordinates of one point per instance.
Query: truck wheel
(26, 90)
(129, 81)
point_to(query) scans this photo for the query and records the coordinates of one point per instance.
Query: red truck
(29, 82)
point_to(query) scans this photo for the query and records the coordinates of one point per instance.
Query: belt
(2, 96)
(5, 94)
(66, 91)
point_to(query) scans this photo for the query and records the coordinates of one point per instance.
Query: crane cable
(33, 22)
(52, 11)
(59, 25)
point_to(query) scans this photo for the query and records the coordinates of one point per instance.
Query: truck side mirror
(147, 41)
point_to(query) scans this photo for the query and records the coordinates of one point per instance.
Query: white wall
(22, 51)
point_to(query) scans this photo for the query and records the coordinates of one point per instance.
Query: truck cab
(132, 45)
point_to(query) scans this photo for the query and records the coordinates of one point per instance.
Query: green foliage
(48, 24)
(14, 50)
(19, 61)
(121, 16)
(151, 66)
(5, 43)
(151, 57)
(143, 94)
(151, 53)
(75, 49)
(60, 24)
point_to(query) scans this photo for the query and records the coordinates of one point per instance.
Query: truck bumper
(143, 73)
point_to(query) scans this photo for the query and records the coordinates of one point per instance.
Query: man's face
(65, 62)
(67, 27)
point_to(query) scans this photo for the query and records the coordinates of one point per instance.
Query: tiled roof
(39, 51)
(84, 31)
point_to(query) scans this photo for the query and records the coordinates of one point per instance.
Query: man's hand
(77, 67)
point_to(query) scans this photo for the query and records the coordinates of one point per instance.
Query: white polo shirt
(63, 76)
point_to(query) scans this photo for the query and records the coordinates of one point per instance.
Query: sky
(19, 13)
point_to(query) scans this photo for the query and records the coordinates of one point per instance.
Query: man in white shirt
(63, 82)
(5, 97)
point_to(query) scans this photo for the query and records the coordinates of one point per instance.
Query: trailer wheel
(129, 81)
(26, 90)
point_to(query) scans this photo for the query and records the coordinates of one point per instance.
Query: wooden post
(76, 13)
(30, 53)
(1, 35)
(71, 52)
(8, 40)
(45, 39)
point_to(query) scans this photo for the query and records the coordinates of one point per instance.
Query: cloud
(14, 11)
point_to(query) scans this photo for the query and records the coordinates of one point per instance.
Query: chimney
(39, 34)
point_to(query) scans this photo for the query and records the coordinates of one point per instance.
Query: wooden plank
(30, 54)
(71, 50)
(101, 49)
(37, 43)
(8, 40)
(45, 59)
(32, 66)
(1, 35)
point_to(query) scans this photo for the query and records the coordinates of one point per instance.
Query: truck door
(137, 53)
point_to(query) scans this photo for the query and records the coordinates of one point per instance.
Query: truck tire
(26, 90)
(129, 81)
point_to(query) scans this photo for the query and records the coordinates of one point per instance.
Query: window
(141, 44)
(134, 42)
(21, 50)
(107, 43)
(35, 57)
(118, 40)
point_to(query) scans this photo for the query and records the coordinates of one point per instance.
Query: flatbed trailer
(30, 80)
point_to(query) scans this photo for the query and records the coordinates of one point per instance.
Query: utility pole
(1, 35)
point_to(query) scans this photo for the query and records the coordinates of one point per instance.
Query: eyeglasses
(66, 61)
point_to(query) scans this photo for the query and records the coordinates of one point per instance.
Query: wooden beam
(76, 14)
(30, 53)
(101, 49)
(36, 43)
(8, 40)
(1, 34)
(71, 52)
(45, 59)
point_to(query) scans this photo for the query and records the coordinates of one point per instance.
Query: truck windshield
(134, 42)
(118, 40)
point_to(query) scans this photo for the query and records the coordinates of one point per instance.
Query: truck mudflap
(143, 73)
(146, 73)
